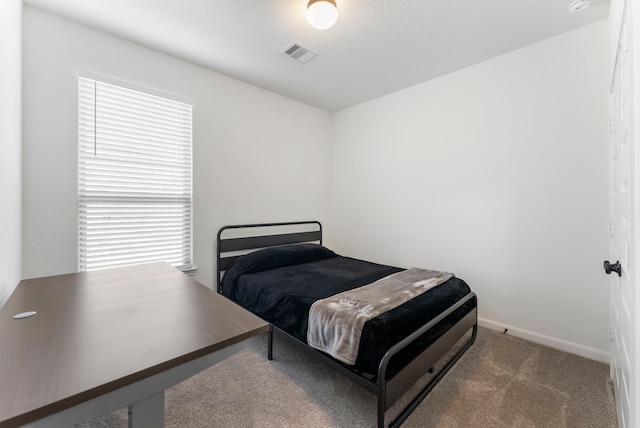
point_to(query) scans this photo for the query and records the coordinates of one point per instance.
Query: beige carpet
(501, 381)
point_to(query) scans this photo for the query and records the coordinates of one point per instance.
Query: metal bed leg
(270, 343)
(382, 400)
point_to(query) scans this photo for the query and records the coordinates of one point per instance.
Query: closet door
(623, 217)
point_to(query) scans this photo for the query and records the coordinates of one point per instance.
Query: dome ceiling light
(322, 14)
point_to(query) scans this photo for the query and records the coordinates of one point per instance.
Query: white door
(622, 217)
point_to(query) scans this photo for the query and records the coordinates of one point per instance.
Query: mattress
(280, 284)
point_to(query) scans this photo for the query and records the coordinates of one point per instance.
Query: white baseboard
(552, 342)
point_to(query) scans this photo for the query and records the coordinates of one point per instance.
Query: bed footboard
(389, 391)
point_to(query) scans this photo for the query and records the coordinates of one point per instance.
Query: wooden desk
(109, 339)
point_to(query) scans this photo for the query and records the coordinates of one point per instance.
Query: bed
(281, 272)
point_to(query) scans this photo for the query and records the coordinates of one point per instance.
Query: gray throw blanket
(335, 323)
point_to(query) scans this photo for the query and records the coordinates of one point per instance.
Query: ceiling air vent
(299, 53)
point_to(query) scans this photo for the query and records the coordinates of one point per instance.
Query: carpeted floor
(501, 381)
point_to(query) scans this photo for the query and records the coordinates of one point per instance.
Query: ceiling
(376, 47)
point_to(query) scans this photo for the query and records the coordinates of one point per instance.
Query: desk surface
(95, 332)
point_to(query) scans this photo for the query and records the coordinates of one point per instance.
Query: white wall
(10, 146)
(498, 173)
(257, 156)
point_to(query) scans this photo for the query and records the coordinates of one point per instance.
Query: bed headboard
(236, 240)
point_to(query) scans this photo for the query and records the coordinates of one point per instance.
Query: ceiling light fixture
(322, 14)
(579, 5)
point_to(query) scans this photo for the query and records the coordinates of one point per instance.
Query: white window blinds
(134, 178)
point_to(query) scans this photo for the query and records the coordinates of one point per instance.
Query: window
(134, 177)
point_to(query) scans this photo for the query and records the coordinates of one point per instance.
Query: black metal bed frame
(387, 391)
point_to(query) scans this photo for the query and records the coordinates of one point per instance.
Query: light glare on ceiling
(322, 14)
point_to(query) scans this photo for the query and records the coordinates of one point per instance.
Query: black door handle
(613, 267)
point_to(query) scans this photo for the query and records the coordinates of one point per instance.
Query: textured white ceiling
(375, 48)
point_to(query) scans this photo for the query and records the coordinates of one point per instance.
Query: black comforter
(280, 284)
